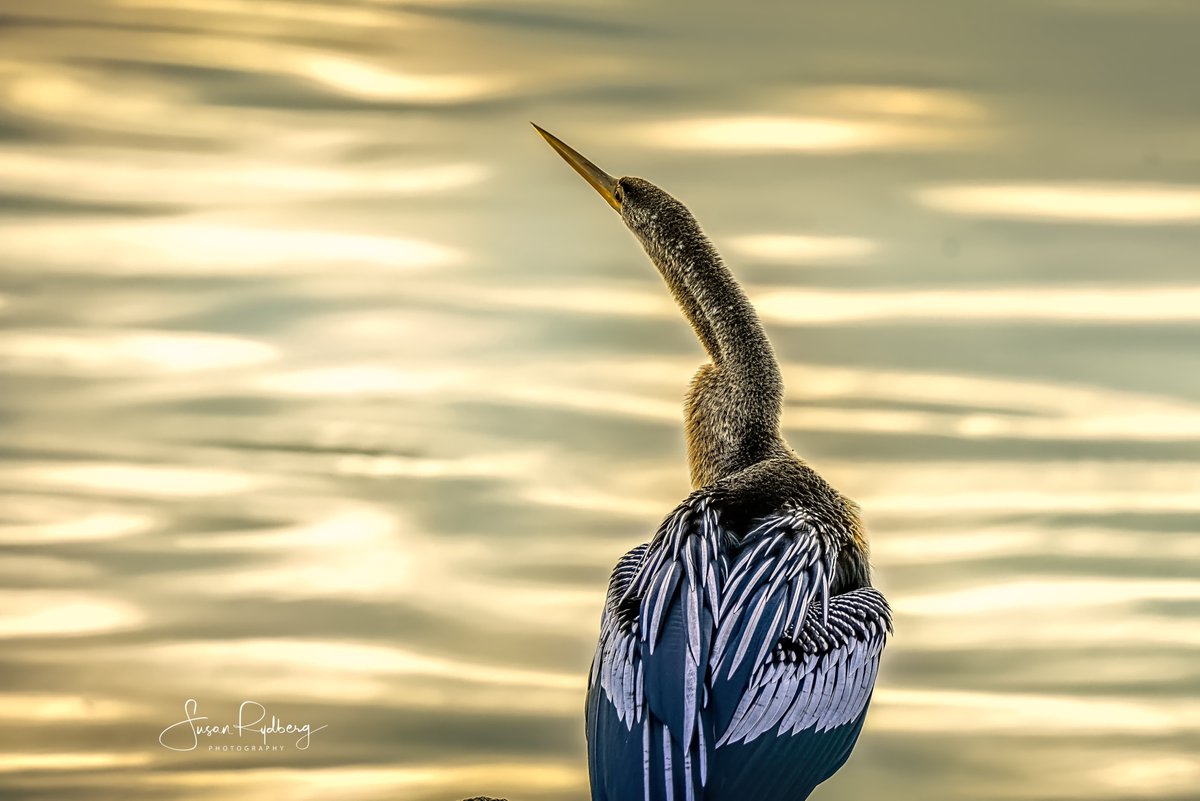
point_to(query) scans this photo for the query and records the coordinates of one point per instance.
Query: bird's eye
(618, 195)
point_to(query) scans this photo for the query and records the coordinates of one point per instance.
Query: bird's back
(735, 662)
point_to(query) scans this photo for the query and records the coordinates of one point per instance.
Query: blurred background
(326, 385)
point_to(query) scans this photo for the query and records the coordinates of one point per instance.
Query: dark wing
(730, 682)
(821, 679)
(647, 735)
(793, 668)
(615, 698)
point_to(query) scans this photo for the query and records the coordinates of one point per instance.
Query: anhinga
(739, 647)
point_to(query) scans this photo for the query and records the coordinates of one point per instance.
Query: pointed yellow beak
(601, 181)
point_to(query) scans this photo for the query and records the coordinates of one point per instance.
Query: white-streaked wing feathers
(757, 632)
(614, 666)
(822, 679)
(684, 565)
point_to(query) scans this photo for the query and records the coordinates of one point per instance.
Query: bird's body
(739, 647)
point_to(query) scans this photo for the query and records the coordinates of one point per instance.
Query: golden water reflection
(324, 387)
(1115, 204)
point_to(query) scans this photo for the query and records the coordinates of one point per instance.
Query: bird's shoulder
(779, 500)
(785, 490)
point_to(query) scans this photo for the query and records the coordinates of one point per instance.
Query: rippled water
(326, 385)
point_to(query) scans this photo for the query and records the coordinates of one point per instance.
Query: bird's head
(658, 219)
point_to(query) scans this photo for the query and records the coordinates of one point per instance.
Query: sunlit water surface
(326, 385)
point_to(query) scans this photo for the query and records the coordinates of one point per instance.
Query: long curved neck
(734, 403)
